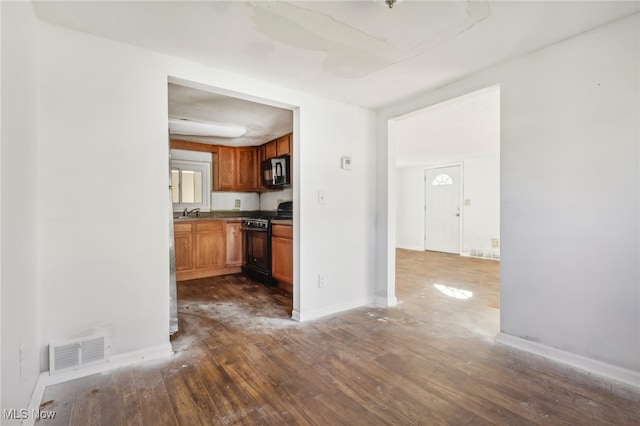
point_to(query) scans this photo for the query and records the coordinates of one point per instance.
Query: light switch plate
(346, 163)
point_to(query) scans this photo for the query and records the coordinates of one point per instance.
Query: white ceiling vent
(77, 353)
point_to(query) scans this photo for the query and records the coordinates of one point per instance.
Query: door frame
(297, 312)
(459, 164)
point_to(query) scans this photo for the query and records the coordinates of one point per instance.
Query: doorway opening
(448, 189)
(234, 135)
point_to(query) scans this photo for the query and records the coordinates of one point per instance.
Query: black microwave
(276, 171)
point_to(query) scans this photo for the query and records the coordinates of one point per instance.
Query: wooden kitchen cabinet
(260, 156)
(226, 169)
(234, 244)
(282, 255)
(271, 149)
(207, 248)
(246, 169)
(210, 245)
(237, 169)
(284, 144)
(240, 168)
(278, 147)
(183, 244)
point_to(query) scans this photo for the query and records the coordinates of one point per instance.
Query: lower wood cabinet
(207, 248)
(183, 237)
(235, 246)
(210, 245)
(282, 255)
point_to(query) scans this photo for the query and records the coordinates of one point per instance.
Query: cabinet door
(226, 168)
(282, 260)
(234, 244)
(284, 145)
(260, 156)
(246, 175)
(184, 251)
(210, 245)
(271, 149)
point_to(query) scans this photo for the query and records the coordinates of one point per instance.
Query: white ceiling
(263, 122)
(358, 52)
(459, 129)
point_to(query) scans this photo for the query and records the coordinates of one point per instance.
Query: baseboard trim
(333, 309)
(598, 368)
(386, 302)
(36, 399)
(115, 362)
(408, 247)
(295, 315)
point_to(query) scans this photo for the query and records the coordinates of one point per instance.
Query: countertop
(207, 218)
(179, 219)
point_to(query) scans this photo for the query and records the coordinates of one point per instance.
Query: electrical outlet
(494, 242)
(321, 281)
(236, 204)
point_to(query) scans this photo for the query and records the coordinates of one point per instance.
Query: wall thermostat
(346, 163)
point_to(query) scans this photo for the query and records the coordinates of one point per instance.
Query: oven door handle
(255, 229)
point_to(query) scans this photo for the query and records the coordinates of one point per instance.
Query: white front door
(442, 209)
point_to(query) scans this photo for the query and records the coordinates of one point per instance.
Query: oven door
(257, 250)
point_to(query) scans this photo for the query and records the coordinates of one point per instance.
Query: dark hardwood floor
(431, 360)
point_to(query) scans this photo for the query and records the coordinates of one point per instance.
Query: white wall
(20, 207)
(569, 192)
(104, 117)
(410, 208)
(480, 218)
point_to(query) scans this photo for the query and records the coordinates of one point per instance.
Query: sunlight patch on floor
(454, 292)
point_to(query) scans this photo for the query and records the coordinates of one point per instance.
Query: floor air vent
(76, 354)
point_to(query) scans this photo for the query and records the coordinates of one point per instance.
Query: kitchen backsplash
(249, 201)
(235, 201)
(270, 200)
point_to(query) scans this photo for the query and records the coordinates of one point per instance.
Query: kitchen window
(190, 184)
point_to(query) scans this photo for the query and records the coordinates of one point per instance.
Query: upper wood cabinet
(284, 144)
(240, 168)
(226, 168)
(261, 154)
(236, 169)
(246, 169)
(271, 149)
(278, 147)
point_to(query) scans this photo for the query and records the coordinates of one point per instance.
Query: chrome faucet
(186, 212)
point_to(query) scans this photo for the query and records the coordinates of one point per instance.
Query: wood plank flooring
(432, 360)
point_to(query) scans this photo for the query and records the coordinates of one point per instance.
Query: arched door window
(442, 179)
